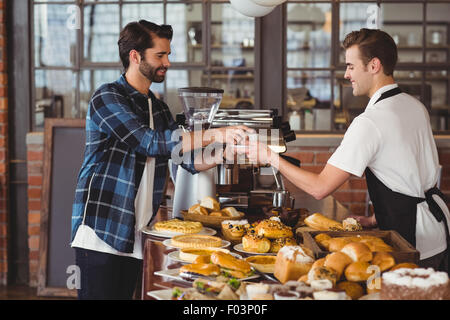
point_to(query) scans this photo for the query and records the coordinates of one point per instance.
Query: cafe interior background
(54, 54)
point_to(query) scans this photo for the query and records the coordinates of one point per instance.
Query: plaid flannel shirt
(118, 141)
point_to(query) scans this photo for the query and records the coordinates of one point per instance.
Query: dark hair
(374, 43)
(138, 35)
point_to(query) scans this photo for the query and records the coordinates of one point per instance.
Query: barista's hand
(229, 135)
(259, 153)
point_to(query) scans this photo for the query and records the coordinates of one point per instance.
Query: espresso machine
(240, 184)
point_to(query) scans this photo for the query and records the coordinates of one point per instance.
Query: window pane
(309, 35)
(136, 12)
(232, 37)
(309, 93)
(55, 96)
(101, 32)
(186, 21)
(54, 36)
(178, 79)
(90, 81)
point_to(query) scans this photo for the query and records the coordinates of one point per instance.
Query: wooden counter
(155, 253)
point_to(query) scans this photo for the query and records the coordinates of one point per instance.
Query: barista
(392, 143)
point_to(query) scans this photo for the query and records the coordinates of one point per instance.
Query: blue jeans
(106, 276)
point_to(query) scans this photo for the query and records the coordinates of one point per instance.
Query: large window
(318, 96)
(75, 51)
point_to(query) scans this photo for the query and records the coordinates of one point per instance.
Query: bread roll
(337, 261)
(292, 262)
(210, 203)
(230, 212)
(336, 244)
(353, 289)
(358, 251)
(197, 209)
(279, 243)
(318, 263)
(323, 240)
(320, 222)
(216, 214)
(322, 273)
(384, 260)
(358, 271)
(254, 243)
(273, 229)
(407, 265)
(303, 278)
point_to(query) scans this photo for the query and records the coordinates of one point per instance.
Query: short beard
(150, 72)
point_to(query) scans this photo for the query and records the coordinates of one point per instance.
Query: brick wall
(3, 150)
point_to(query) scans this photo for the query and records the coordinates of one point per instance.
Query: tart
(195, 241)
(262, 263)
(176, 225)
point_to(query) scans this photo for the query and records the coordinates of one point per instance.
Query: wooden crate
(403, 250)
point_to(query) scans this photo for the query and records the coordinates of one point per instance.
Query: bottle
(294, 120)
(309, 119)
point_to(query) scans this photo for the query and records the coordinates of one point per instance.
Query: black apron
(397, 211)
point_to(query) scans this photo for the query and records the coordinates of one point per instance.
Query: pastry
(292, 262)
(254, 243)
(336, 244)
(337, 261)
(414, 284)
(262, 263)
(189, 254)
(279, 243)
(351, 224)
(197, 209)
(384, 260)
(204, 269)
(318, 221)
(354, 290)
(358, 271)
(322, 273)
(210, 203)
(323, 240)
(195, 241)
(273, 229)
(318, 263)
(176, 225)
(230, 212)
(357, 251)
(234, 228)
(237, 268)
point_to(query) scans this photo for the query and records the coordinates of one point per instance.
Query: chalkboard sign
(64, 143)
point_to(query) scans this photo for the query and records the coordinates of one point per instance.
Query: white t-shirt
(394, 139)
(87, 238)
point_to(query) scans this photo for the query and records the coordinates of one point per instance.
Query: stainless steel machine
(242, 185)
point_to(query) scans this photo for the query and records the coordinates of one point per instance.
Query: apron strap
(432, 204)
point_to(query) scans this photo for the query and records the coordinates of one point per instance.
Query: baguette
(320, 222)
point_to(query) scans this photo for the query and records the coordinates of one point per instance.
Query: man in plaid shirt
(126, 144)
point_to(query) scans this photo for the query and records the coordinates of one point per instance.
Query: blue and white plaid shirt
(118, 141)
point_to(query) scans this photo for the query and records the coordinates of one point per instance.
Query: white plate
(167, 234)
(174, 274)
(164, 294)
(175, 256)
(169, 245)
(239, 248)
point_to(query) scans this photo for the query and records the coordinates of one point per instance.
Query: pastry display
(262, 263)
(176, 225)
(292, 262)
(414, 284)
(318, 221)
(195, 241)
